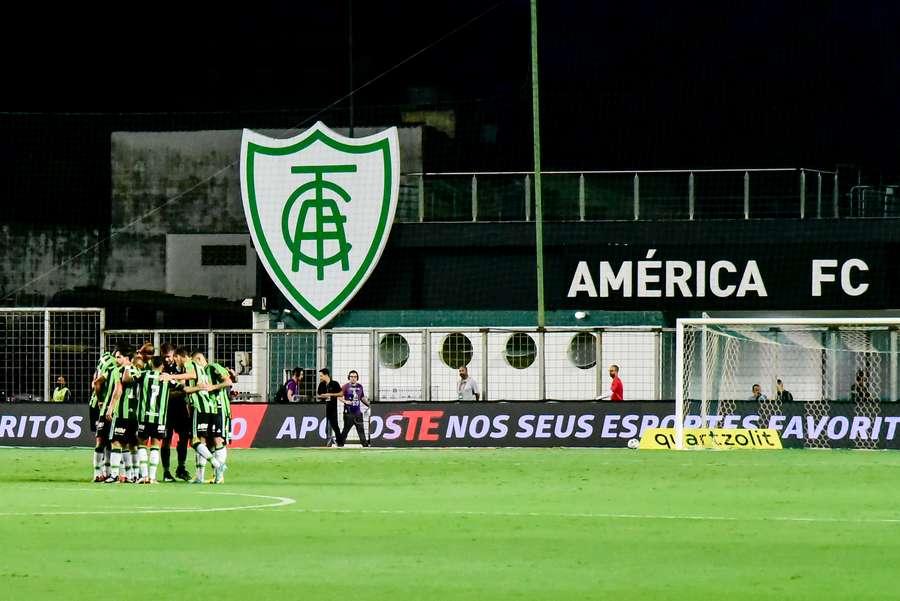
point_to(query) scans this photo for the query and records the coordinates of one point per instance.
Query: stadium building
(625, 254)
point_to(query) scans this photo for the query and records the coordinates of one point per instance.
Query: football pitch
(458, 524)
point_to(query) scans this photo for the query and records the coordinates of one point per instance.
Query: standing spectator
(329, 391)
(292, 387)
(616, 391)
(353, 398)
(757, 394)
(61, 393)
(859, 390)
(467, 388)
(782, 395)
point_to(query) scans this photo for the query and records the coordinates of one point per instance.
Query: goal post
(821, 362)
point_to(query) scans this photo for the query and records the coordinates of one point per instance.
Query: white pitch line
(608, 516)
(279, 502)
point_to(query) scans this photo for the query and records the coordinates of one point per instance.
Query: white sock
(203, 451)
(221, 456)
(201, 466)
(106, 460)
(154, 462)
(136, 462)
(98, 463)
(126, 460)
(142, 461)
(115, 457)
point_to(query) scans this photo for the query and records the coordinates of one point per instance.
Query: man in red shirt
(615, 387)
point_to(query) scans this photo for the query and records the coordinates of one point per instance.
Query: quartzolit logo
(320, 207)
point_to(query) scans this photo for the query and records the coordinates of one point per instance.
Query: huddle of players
(131, 406)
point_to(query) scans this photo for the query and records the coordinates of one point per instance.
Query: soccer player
(120, 413)
(177, 421)
(102, 386)
(218, 388)
(203, 408)
(153, 406)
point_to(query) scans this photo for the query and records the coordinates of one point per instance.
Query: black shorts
(208, 425)
(93, 416)
(150, 430)
(177, 418)
(124, 431)
(102, 427)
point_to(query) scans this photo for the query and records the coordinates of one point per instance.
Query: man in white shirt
(467, 388)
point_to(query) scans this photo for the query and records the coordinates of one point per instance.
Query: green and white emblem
(320, 207)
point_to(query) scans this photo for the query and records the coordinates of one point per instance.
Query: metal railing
(869, 201)
(405, 364)
(626, 195)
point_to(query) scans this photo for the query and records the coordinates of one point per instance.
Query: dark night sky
(641, 84)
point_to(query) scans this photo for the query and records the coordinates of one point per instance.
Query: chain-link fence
(38, 346)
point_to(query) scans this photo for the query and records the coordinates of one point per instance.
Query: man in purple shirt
(292, 387)
(353, 399)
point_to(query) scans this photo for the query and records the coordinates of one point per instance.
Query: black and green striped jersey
(112, 377)
(217, 375)
(201, 400)
(153, 398)
(127, 407)
(104, 364)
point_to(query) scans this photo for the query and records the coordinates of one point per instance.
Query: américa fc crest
(320, 207)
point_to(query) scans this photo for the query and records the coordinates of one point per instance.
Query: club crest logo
(320, 207)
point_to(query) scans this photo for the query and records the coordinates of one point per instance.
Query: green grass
(459, 524)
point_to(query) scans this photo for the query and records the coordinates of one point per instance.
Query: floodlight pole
(538, 207)
(350, 58)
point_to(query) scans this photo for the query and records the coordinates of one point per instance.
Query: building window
(456, 350)
(521, 351)
(583, 350)
(232, 254)
(393, 351)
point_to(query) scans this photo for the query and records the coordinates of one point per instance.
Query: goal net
(824, 366)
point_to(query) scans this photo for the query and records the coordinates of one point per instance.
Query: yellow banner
(718, 438)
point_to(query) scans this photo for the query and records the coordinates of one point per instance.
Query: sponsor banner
(716, 438)
(245, 422)
(45, 425)
(63, 425)
(490, 425)
(294, 425)
(485, 424)
(611, 424)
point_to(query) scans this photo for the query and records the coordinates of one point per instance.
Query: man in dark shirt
(329, 391)
(782, 395)
(859, 390)
(178, 420)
